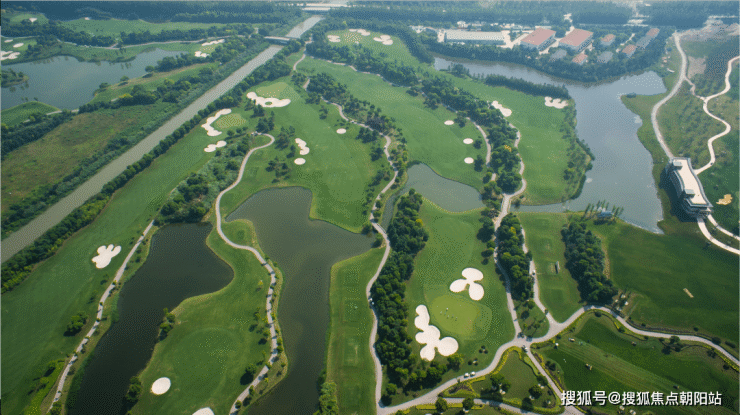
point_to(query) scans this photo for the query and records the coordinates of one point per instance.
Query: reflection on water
(622, 171)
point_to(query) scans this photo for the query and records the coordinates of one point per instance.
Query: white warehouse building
(479, 38)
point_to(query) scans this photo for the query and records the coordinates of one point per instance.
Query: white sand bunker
(9, 41)
(363, 32)
(212, 147)
(268, 102)
(300, 161)
(87, 18)
(32, 19)
(17, 45)
(470, 276)
(333, 38)
(449, 122)
(469, 160)
(214, 42)
(199, 54)
(302, 146)
(384, 39)
(504, 111)
(468, 141)
(9, 55)
(212, 132)
(341, 131)
(105, 254)
(725, 200)
(430, 336)
(161, 386)
(557, 103)
(204, 411)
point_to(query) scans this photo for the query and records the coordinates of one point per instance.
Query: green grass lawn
(658, 267)
(452, 247)
(619, 365)
(349, 363)
(215, 338)
(21, 112)
(558, 290)
(395, 52)
(19, 17)
(114, 27)
(532, 321)
(429, 141)
(8, 47)
(36, 312)
(57, 154)
(338, 168)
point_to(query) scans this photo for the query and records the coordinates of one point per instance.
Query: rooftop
(629, 49)
(462, 35)
(607, 38)
(580, 58)
(538, 36)
(691, 185)
(653, 32)
(576, 37)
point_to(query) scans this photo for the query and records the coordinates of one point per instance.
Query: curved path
(268, 307)
(676, 87)
(99, 315)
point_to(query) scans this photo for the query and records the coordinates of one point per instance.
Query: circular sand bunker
(469, 160)
(161, 386)
(300, 161)
(449, 122)
(468, 141)
(204, 411)
(341, 131)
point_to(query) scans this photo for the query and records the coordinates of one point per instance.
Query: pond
(305, 251)
(180, 265)
(622, 171)
(67, 83)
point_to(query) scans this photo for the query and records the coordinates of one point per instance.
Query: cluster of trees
(585, 261)
(531, 88)
(579, 154)
(54, 30)
(512, 258)
(137, 38)
(407, 236)
(685, 14)
(133, 393)
(24, 133)
(167, 323)
(712, 81)
(11, 77)
(328, 400)
(76, 324)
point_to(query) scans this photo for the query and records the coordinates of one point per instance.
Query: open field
(338, 168)
(395, 52)
(349, 363)
(452, 247)
(626, 362)
(558, 290)
(36, 312)
(215, 338)
(57, 154)
(114, 27)
(532, 321)
(686, 127)
(429, 140)
(648, 266)
(19, 17)
(22, 112)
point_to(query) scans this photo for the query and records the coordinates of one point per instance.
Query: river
(67, 83)
(54, 214)
(305, 251)
(622, 171)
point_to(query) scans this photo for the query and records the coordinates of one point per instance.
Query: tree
(527, 404)
(250, 370)
(535, 391)
(468, 403)
(441, 405)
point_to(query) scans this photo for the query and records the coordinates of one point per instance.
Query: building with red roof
(577, 40)
(607, 40)
(539, 39)
(629, 50)
(580, 59)
(653, 32)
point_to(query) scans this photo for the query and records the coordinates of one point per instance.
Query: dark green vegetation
(407, 236)
(50, 168)
(22, 112)
(585, 261)
(76, 324)
(532, 320)
(19, 133)
(685, 14)
(349, 362)
(716, 55)
(606, 356)
(328, 400)
(10, 78)
(527, 87)
(558, 290)
(512, 258)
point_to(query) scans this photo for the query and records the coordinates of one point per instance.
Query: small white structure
(477, 38)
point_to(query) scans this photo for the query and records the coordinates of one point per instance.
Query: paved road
(676, 87)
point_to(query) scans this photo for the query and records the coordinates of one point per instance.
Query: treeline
(579, 154)
(408, 36)
(512, 258)
(685, 14)
(11, 77)
(407, 237)
(204, 12)
(712, 81)
(136, 38)
(585, 261)
(17, 135)
(531, 88)
(17, 268)
(182, 93)
(56, 30)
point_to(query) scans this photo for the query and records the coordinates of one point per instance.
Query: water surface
(622, 171)
(305, 251)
